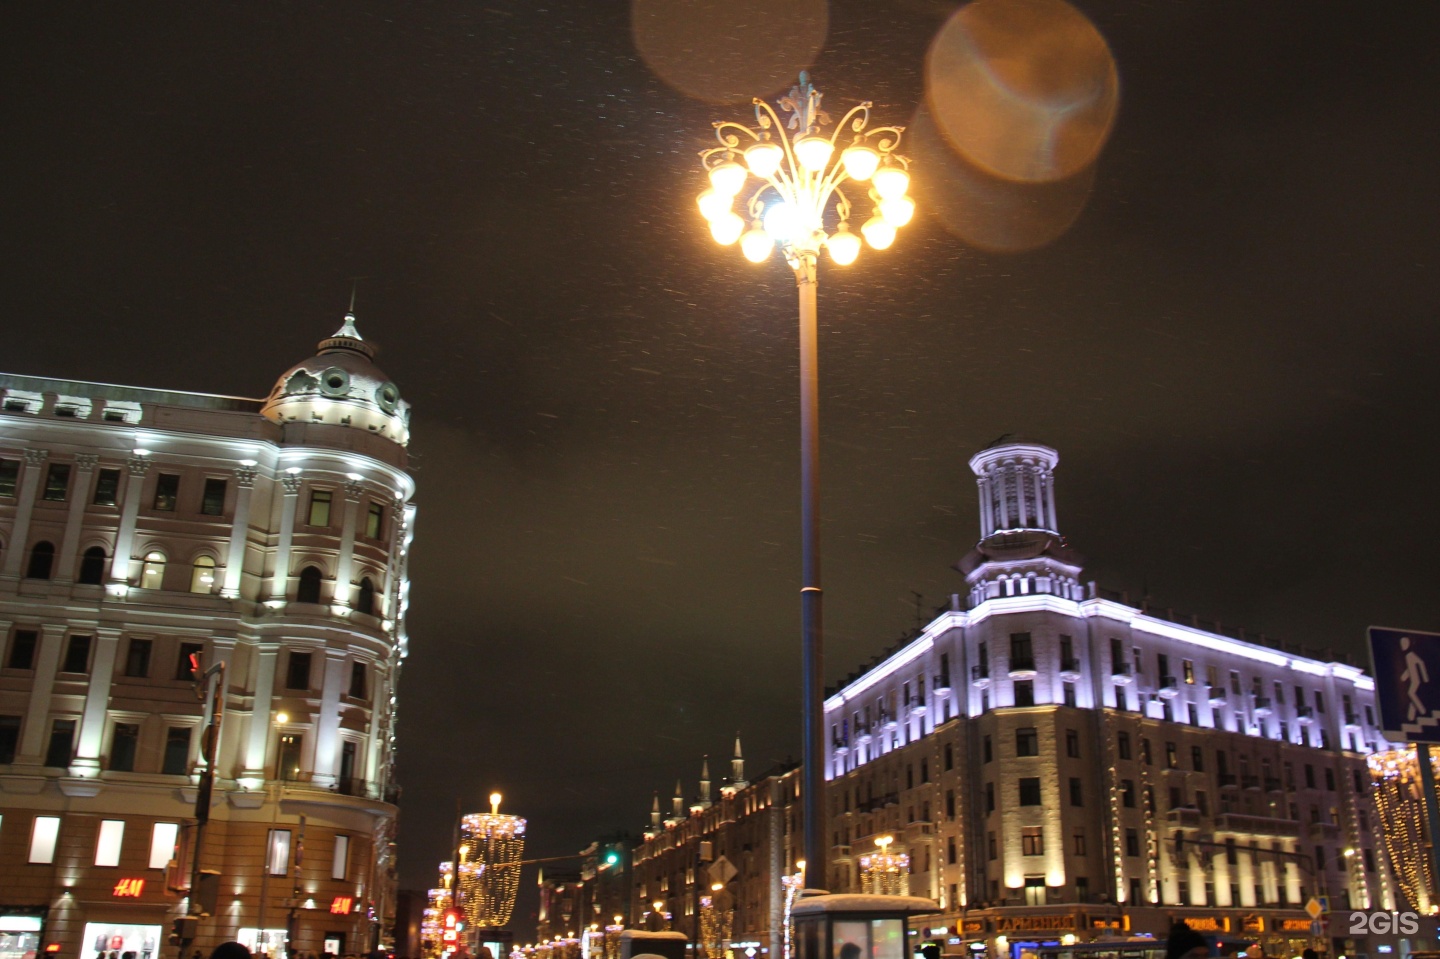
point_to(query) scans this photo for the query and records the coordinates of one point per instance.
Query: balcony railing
(941, 685)
(1304, 714)
(1169, 689)
(1249, 782)
(1070, 668)
(1022, 666)
(1262, 706)
(1218, 695)
(1122, 673)
(980, 676)
(1257, 825)
(1228, 781)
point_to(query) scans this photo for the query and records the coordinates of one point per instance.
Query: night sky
(1233, 347)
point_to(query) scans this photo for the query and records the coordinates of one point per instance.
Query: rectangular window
(1188, 668)
(1034, 890)
(288, 761)
(137, 658)
(183, 668)
(107, 487)
(9, 476)
(1122, 745)
(9, 738)
(375, 521)
(989, 798)
(1032, 840)
(77, 655)
(297, 671)
(1077, 796)
(1024, 692)
(1021, 654)
(167, 490)
(1235, 681)
(1027, 743)
(1319, 701)
(357, 680)
(987, 752)
(162, 844)
(42, 839)
(277, 857)
(1202, 802)
(1069, 694)
(123, 743)
(107, 844)
(1078, 847)
(1132, 843)
(57, 482)
(340, 863)
(212, 501)
(22, 648)
(1072, 744)
(62, 744)
(1172, 756)
(320, 507)
(177, 751)
(1030, 791)
(1197, 759)
(1127, 793)
(992, 846)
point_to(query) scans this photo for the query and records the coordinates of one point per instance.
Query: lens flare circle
(727, 51)
(1026, 90)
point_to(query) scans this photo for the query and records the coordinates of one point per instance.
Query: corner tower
(1020, 551)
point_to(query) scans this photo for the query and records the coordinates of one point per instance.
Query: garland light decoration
(1396, 775)
(885, 873)
(491, 845)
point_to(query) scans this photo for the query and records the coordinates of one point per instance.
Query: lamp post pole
(799, 176)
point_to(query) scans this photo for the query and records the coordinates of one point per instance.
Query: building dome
(341, 385)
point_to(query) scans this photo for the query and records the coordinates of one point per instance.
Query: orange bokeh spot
(728, 51)
(1025, 90)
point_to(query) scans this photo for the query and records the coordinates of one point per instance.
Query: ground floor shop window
(114, 940)
(20, 936)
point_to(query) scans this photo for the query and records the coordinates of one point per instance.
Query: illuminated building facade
(139, 527)
(745, 840)
(1057, 762)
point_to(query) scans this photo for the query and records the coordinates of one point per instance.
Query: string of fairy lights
(1396, 775)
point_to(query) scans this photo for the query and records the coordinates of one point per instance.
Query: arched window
(92, 566)
(152, 571)
(309, 591)
(202, 577)
(42, 557)
(365, 601)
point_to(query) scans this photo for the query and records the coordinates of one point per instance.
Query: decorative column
(327, 723)
(24, 506)
(37, 730)
(987, 523)
(1039, 496)
(97, 701)
(258, 735)
(1050, 501)
(75, 517)
(280, 578)
(239, 532)
(137, 467)
(378, 727)
(343, 566)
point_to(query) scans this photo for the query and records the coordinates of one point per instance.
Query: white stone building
(1062, 765)
(139, 526)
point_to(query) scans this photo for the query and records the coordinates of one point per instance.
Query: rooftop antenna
(919, 609)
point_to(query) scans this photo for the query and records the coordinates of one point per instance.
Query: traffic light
(453, 924)
(612, 858)
(183, 930)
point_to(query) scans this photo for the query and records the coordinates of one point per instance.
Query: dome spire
(348, 336)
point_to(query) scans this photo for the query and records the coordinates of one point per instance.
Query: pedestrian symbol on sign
(1416, 675)
(1407, 683)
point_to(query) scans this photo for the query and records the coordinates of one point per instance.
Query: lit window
(57, 482)
(152, 571)
(212, 501)
(1032, 841)
(320, 507)
(339, 866)
(107, 847)
(162, 844)
(107, 487)
(375, 521)
(202, 577)
(9, 475)
(167, 490)
(42, 839)
(277, 859)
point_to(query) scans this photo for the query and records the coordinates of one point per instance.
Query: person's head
(230, 950)
(1309, 954)
(849, 951)
(1185, 943)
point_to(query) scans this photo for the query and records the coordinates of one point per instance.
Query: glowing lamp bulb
(879, 233)
(714, 205)
(860, 161)
(891, 182)
(780, 222)
(756, 245)
(844, 246)
(813, 152)
(726, 228)
(897, 211)
(764, 158)
(282, 718)
(727, 178)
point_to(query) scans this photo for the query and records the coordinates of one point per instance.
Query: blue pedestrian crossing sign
(1407, 683)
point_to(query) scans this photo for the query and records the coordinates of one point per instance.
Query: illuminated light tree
(884, 873)
(1398, 800)
(491, 845)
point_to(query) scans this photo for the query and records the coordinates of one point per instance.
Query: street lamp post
(799, 176)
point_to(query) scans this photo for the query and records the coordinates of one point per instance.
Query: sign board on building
(1406, 665)
(1297, 925)
(128, 888)
(1034, 923)
(1209, 923)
